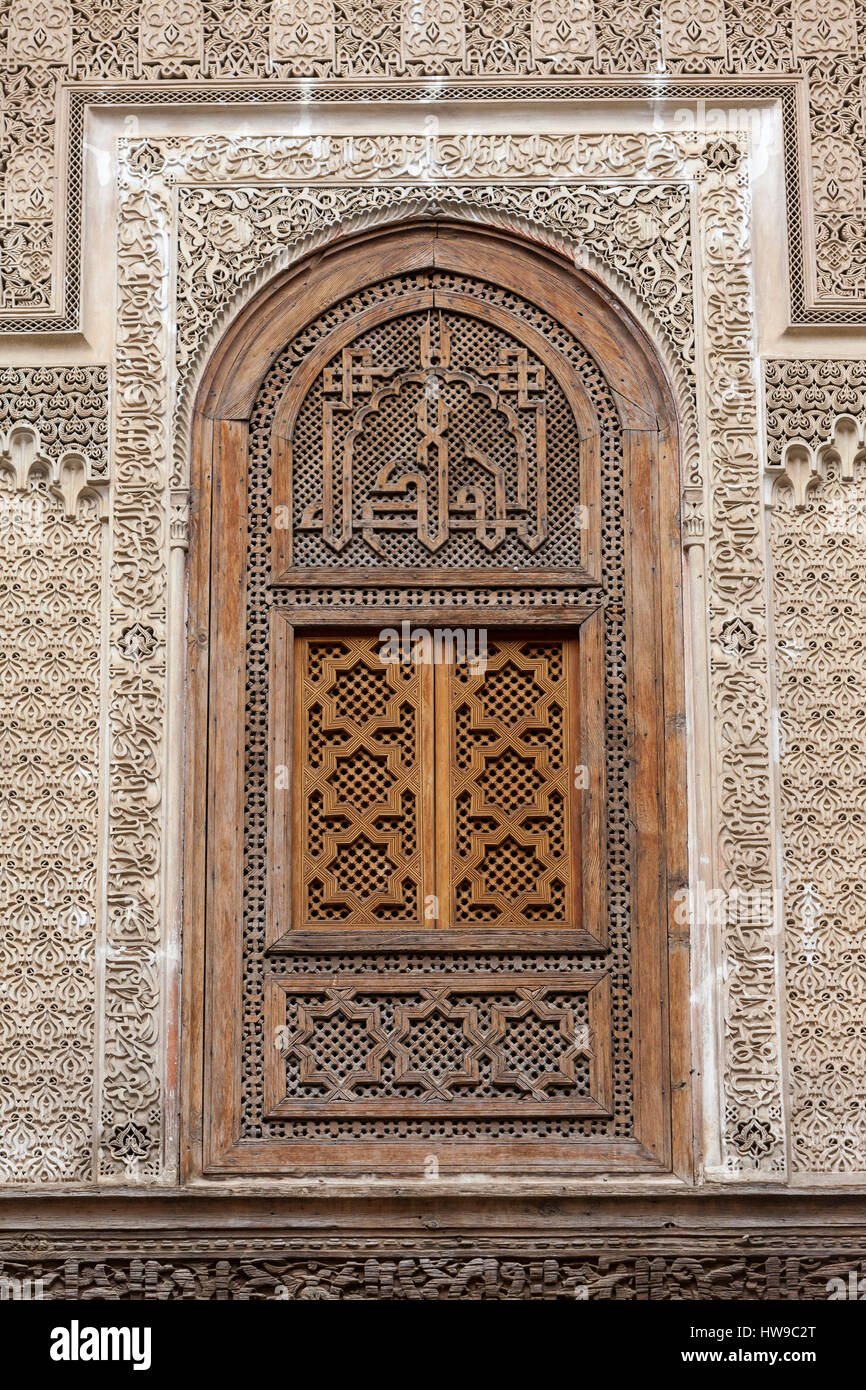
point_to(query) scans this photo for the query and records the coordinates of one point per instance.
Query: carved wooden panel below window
(410, 1045)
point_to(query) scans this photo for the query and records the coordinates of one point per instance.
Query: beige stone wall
(698, 158)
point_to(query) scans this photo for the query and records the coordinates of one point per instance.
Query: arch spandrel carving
(250, 339)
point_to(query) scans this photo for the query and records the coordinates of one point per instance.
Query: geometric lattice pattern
(359, 783)
(393, 1044)
(368, 759)
(509, 780)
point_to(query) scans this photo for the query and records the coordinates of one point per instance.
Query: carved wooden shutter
(439, 787)
(364, 788)
(435, 944)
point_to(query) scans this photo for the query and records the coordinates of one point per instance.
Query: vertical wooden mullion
(648, 896)
(592, 800)
(298, 734)
(224, 999)
(280, 915)
(675, 814)
(193, 1022)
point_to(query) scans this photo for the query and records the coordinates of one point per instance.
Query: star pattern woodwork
(509, 775)
(363, 781)
(408, 1045)
(381, 742)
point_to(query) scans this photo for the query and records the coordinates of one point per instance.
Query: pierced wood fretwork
(411, 1045)
(433, 429)
(416, 492)
(362, 786)
(435, 794)
(507, 780)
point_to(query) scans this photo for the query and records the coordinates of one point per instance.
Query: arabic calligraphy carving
(436, 484)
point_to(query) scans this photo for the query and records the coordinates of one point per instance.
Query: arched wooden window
(436, 801)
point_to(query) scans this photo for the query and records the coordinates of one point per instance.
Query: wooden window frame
(212, 1146)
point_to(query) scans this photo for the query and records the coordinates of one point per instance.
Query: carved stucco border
(736, 981)
(816, 492)
(801, 172)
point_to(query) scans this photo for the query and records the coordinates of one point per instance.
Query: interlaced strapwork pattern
(361, 789)
(368, 844)
(465, 1045)
(508, 778)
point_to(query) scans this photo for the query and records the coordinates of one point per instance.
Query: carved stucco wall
(53, 466)
(201, 221)
(816, 425)
(806, 51)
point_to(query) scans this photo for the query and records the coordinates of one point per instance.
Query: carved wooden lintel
(223, 1247)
